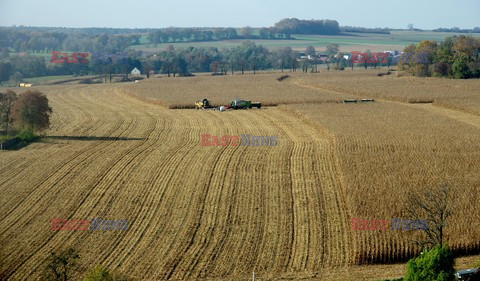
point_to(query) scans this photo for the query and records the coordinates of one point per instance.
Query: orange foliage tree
(32, 112)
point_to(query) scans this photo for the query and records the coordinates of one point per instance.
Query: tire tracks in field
(168, 187)
(191, 246)
(107, 182)
(60, 174)
(171, 160)
(322, 191)
(197, 212)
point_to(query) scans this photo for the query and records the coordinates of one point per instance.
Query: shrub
(384, 73)
(282, 77)
(436, 264)
(99, 273)
(86, 81)
(5, 138)
(27, 135)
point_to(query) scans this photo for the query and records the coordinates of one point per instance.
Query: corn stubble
(223, 212)
(387, 150)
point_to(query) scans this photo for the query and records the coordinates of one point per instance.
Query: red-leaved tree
(31, 111)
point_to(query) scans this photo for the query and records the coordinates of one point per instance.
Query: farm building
(135, 71)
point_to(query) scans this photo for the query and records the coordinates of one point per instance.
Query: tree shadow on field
(92, 138)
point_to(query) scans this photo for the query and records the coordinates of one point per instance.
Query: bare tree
(432, 205)
(148, 67)
(62, 265)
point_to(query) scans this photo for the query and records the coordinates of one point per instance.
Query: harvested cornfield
(193, 211)
(115, 151)
(387, 150)
(181, 92)
(457, 94)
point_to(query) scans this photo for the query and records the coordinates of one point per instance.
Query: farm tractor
(242, 104)
(203, 104)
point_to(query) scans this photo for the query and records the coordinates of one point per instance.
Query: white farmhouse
(135, 71)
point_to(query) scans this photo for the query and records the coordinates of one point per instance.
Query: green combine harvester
(243, 104)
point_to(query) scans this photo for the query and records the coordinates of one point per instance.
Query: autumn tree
(214, 66)
(406, 58)
(456, 56)
(31, 111)
(460, 67)
(286, 58)
(246, 32)
(468, 46)
(442, 69)
(333, 48)
(7, 100)
(366, 60)
(466, 49)
(310, 51)
(424, 56)
(445, 50)
(264, 33)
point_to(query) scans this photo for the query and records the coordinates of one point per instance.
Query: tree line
(173, 34)
(39, 39)
(291, 26)
(34, 41)
(171, 61)
(457, 30)
(455, 57)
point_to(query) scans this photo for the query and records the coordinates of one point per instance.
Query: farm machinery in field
(234, 104)
(242, 104)
(203, 104)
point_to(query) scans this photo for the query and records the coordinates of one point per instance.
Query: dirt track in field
(193, 211)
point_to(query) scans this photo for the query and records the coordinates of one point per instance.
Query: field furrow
(193, 211)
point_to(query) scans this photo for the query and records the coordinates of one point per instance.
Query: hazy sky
(425, 14)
